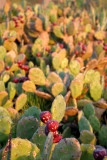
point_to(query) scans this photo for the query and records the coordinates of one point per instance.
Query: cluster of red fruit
(20, 80)
(24, 67)
(83, 47)
(51, 125)
(18, 19)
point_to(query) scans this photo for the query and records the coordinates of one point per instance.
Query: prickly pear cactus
(91, 75)
(11, 90)
(57, 32)
(102, 137)
(5, 126)
(2, 52)
(88, 110)
(87, 151)
(68, 148)
(64, 63)
(27, 126)
(53, 78)
(39, 138)
(48, 146)
(56, 62)
(87, 137)
(2, 86)
(3, 97)
(99, 49)
(95, 123)
(76, 87)
(3, 112)
(23, 149)
(74, 67)
(58, 88)
(37, 76)
(58, 108)
(71, 29)
(84, 124)
(21, 101)
(32, 111)
(96, 90)
(29, 86)
(8, 104)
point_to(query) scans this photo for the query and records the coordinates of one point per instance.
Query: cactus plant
(87, 137)
(87, 151)
(74, 67)
(3, 97)
(68, 148)
(23, 149)
(37, 76)
(29, 86)
(95, 123)
(58, 88)
(58, 108)
(39, 138)
(1, 65)
(2, 86)
(21, 101)
(5, 126)
(84, 124)
(57, 32)
(88, 110)
(8, 104)
(71, 29)
(48, 146)
(32, 111)
(11, 90)
(2, 52)
(3, 112)
(102, 136)
(27, 126)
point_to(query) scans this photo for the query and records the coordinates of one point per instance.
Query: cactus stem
(44, 95)
(75, 102)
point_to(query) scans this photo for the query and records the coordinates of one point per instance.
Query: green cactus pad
(87, 151)
(71, 29)
(8, 104)
(11, 90)
(88, 28)
(2, 86)
(3, 112)
(23, 149)
(64, 63)
(74, 67)
(3, 97)
(56, 62)
(102, 137)
(27, 126)
(21, 101)
(37, 76)
(5, 77)
(13, 113)
(5, 126)
(87, 137)
(2, 52)
(32, 111)
(95, 123)
(53, 18)
(99, 49)
(58, 88)
(76, 88)
(48, 146)
(57, 32)
(84, 124)
(88, 110)
(39, 138)
(29, 86)
(96, 90)
(91, 76)
(58, 108)
(53, 78)
(68, 148)
(82, 102)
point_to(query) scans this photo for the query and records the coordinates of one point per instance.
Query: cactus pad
(58, 108)
(88, 110)
(103, 136)
(95, 123)
(27, 126)
(68, 148)
(21, 101)
(29, 86)
(37, 76)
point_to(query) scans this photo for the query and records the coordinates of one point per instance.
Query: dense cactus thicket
(53, 81)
